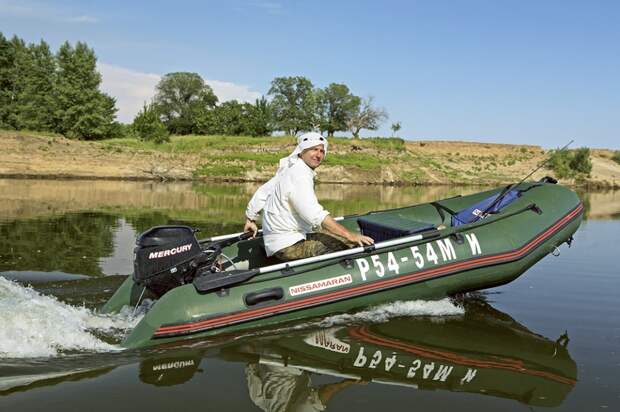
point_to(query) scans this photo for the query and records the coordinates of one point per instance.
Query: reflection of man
(291, 211)
(276, 388)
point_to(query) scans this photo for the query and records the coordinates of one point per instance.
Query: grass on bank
(198, 143)
(195, 144)
(235, 165)
(232, 156)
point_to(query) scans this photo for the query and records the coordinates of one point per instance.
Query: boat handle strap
(440, 209)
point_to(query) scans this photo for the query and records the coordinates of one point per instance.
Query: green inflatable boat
(195, 288)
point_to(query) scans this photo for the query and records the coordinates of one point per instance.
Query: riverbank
(245, 159)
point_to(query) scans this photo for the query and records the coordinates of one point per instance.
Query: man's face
(313, 156)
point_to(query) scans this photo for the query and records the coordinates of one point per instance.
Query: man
(291, 211)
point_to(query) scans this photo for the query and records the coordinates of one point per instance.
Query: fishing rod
(544, 163)
(507, 190)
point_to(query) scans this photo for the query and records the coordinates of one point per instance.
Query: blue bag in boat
(477, 211)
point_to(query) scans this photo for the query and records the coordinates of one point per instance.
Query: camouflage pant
(315, 244)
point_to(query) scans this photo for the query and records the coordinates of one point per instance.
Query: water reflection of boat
(426, 251)
(483, 351)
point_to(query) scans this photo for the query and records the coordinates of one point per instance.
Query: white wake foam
(436, 310)
(35, 325)
(385, 312)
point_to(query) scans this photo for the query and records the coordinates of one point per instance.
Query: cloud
(269, 6)
(40, 11)
(82, 19)
(13, 9)
(133, 88)
(130, 88)
(231, 91)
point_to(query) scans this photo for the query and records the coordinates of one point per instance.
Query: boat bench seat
(248, 254)
(382, 227)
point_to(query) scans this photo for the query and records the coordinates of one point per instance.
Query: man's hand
(250, 226)
(361, 240)
(337, 229)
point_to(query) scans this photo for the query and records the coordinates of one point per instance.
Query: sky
(529, 72)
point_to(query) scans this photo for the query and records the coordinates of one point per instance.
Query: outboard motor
(165, 257)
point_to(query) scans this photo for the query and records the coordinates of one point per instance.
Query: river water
(550, 339)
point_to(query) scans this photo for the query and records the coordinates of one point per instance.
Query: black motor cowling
(164, 258)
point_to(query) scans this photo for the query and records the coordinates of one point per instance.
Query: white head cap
(311, 139)
(304, 141)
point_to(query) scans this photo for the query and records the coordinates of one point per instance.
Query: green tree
(82, 110)
(366, 117)
(148, 126)
(228, 118)
(6, 80)
(336, 105)
(11, 52)
(36, 99)
(293, 104)
(259, 118)
(184, 100)
(395, 128)
(234, 118)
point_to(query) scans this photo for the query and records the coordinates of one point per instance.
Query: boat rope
(138, 303)
(229, 261)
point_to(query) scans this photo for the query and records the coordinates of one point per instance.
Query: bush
(580, 163)
(120, 130)
(616, 157)
(571, 163)
(148, 126)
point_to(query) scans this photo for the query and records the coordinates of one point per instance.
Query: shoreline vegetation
(186, 133)
(383, 161)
